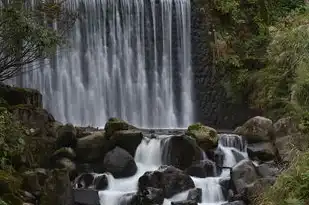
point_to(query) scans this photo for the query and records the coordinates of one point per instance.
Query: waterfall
(125, 58)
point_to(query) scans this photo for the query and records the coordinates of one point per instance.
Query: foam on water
(148, 157)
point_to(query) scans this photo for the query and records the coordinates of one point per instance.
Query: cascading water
(148, 158)
(126, 58)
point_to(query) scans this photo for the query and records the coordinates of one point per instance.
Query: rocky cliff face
(211, 101)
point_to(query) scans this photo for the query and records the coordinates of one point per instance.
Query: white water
(126, 58)
(148, 158)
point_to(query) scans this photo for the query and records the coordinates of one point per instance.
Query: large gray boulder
(170, 179)
(66, 136)
(92, 147)
(243, 174)
(119, 163)
(181, 152)
(257, 129)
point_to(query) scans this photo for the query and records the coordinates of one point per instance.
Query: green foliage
(12, 141)
(282, 86)
(26, 35)
(292, 186)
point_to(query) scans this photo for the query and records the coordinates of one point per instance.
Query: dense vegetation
(261, 47)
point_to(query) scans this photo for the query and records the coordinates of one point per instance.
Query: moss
(205, 136)
(10, 185)
(115, 124)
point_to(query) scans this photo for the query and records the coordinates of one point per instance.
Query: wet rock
(195, 195)
(114, 124)
(28, 197)
(100, 182)
(206, 137)
(202, 169)
(127, 140)
(263, 151)
(238, 156)
(186, 202)
(219, 157)
(84, 180)
(170, 179)
(64, 152)
(181, 152)
(243, 174)
(151, 195)
(225, 184)
(119, 163)
(92, 147)
(129, 199)
(66, 136)
(257, 129)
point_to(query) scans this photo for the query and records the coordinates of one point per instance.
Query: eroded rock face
(119, 163)
(206, 137)
(195, 195)
(181, 152)
(170, 179)
(257, 129)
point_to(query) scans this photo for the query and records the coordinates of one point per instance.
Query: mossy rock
(16, 95)
(64, 152)
(206, 137)
(66, 136)
(114, 124)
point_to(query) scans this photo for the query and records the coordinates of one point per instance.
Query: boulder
(263, 151)
(181, 152)
(58, 189)
(16, 96)
(170, 179)
(243, 174)
(66, 136)
(28, 197)
(86, 197)
(119, 163)
(202, 169)
(114, 124)
(64, 152)
(185, 202)
(127, 140)
(206, 137)
(100, 182)
(195, 195)
(84, 181)
(226, 185)
(285, 126)
(290, 145)
(268, 169)
(257, 129)
(92, 147)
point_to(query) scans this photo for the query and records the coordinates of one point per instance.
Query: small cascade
(148, 157)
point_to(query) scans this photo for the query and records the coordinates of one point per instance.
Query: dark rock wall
(212, 105)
